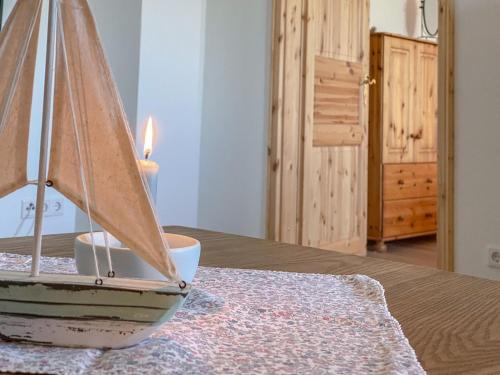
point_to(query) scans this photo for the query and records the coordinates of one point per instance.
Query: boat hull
(101, 334)
(72, 311)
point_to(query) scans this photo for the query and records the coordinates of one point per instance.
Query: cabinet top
(391, 35)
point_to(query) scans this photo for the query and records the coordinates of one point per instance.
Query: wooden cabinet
(426, 104)
(398, 99)
(402, 138)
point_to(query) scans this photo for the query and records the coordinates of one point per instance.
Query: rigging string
(111, 272)
(99, 280)
(174, 272)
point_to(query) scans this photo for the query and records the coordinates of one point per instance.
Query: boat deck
(90, 281)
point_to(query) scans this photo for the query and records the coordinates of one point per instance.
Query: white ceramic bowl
(184, 251)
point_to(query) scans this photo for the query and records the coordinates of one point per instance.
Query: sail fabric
(18, 48)
(91, 136)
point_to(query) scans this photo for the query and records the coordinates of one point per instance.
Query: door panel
(425, 132)
(321, 200)
(399, 63)
(337, 25)
(284, 155)
(334, 185)
(337, 95)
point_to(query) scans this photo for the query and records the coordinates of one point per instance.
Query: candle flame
(148, 139)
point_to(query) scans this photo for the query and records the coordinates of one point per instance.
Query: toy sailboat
(91, 160)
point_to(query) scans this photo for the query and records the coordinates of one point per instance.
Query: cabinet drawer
(410, 216)
(404, 181)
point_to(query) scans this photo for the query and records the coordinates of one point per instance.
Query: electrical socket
(52, 207)
(28, 209)
(55, 207)
(494, 256)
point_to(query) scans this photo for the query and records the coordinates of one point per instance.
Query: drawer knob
(401, 182)
(429, 181)
(429, 215)
(416, 136)
(401, 218)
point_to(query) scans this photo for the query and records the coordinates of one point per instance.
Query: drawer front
(410, 216)
(405, 181)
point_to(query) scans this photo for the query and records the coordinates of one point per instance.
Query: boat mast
(48, 105)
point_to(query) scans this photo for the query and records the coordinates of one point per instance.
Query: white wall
(11, 222)
(233, 173)
(7, 7)
(396, 16)
(119, 24)
(170, 89)
(121, 39)
(477, 121)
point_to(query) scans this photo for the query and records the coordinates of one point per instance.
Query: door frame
(446, 112)
(446, 135)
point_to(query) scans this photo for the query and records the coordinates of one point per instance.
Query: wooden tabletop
(452, 321)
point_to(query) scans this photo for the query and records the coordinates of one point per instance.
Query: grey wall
(171, 81)
(401, 16)
(12, 220)
(7, 7)
(119, 24)
(233, 173)
(121, 36)
(477, 121)
(396, 16)
(166, 51)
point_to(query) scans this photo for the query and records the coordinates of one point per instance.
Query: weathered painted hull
(72, 311)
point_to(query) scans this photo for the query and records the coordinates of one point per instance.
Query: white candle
(150, 170)
(149, 167)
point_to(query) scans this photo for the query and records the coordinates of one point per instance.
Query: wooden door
(398, 100)
(425, 131)
(285, 131)
(318, 140)
(336, 113)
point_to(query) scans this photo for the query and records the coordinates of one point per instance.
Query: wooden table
(452, 321)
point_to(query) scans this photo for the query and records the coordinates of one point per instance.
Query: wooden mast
(48, 105)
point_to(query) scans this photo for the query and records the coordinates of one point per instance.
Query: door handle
(368, 81)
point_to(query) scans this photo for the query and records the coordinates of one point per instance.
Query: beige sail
(18, 47)
(90, 130)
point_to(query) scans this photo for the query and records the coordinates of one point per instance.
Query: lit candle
(149, 167)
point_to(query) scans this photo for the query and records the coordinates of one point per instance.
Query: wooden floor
(417, 251)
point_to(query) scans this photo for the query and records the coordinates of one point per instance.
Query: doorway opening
(403, 132)
(319, 131)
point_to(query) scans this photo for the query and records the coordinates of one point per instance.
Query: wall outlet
(28, 209)
(494, 257)
(55, 207)
(52, 207)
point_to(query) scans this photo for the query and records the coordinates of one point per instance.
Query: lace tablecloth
(246, 322)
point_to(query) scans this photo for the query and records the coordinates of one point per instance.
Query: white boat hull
(73, 311)
(102, 334)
